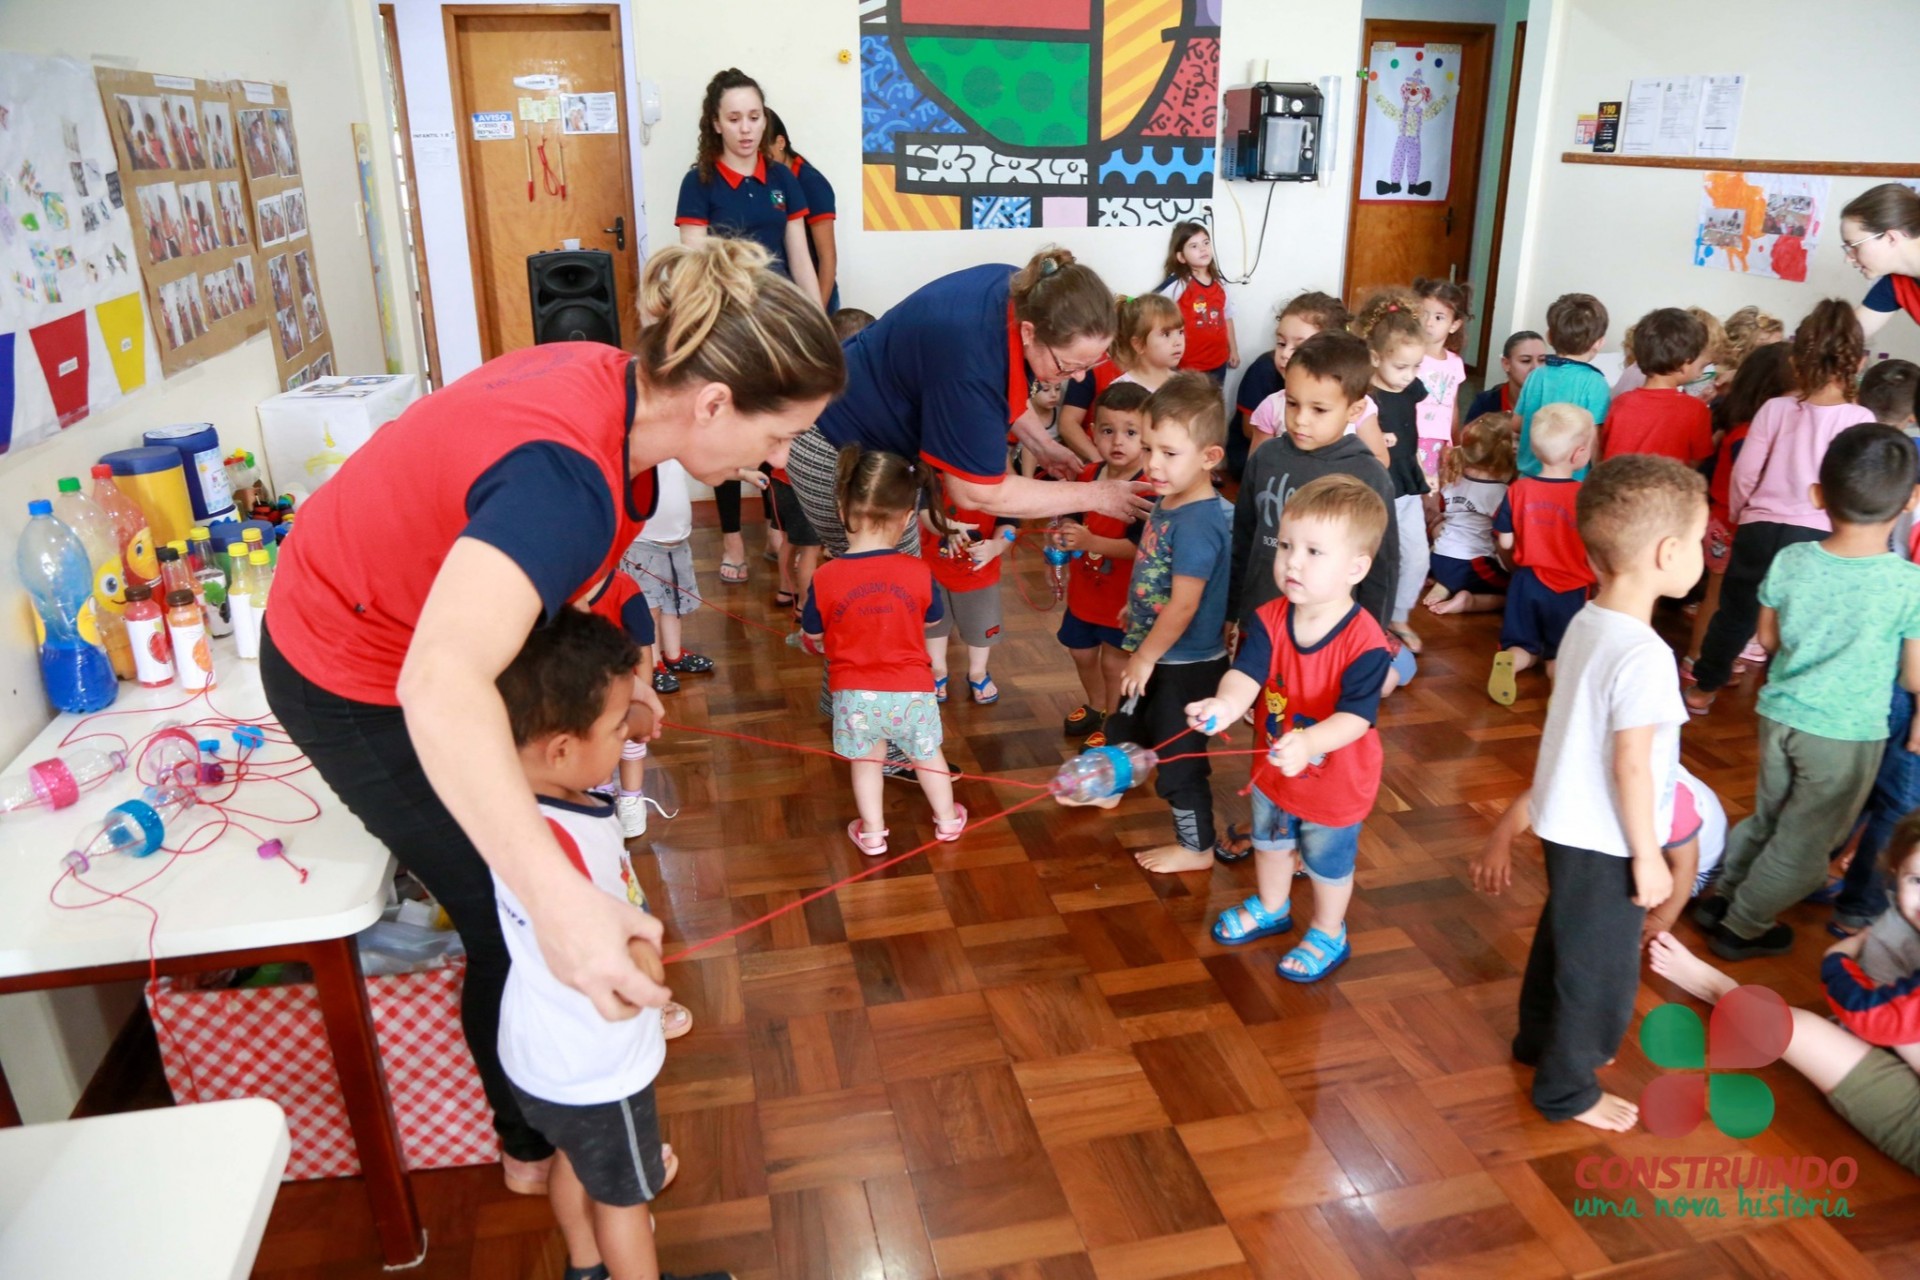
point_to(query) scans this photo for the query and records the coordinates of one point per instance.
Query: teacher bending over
(1880, 232)
(484, 509)
(943, 376)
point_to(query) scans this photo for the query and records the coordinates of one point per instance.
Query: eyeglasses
(1852, 247)
(1067, 370)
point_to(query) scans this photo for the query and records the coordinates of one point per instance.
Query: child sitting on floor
(1467, 574)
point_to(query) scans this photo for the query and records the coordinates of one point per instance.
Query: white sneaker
(633, 815)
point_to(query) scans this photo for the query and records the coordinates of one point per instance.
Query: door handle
(619, 230)
(1449, 222)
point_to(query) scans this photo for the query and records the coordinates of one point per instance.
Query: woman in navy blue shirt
(821, 212)
(1880, 234)
(732, 190)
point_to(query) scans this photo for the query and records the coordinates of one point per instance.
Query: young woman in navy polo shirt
(1880, 232)
(733, 191)
(426, 562)
(820, 208)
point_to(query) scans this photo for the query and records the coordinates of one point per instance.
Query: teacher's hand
(584, 934)
(1127, 500)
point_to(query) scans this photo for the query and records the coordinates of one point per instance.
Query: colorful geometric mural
(987, 114)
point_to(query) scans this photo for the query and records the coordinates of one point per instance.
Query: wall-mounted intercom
(1273, 133)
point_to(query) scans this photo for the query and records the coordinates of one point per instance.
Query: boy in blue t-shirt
(1576, 328)
(1176, 614)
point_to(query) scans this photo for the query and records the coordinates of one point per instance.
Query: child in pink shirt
(1444, 311)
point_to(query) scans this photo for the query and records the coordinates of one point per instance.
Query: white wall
(422, 33)
(1827, 91)
(317, 49)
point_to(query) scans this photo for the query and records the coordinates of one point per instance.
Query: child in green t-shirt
(1839, 616)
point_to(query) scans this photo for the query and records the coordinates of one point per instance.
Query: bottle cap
(166, 555)
(178, 546)
(250, 535)
(260, 557)
(39, 507)
(199, 533)
(101, 471)
(139, 591)
(209, 744)
(69, 484)
(179, 598)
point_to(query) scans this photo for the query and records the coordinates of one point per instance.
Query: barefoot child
(1538, 529)
(1097, 578)
(1467, 574)
(1315, 662)
(1603, 786)
(867, 611)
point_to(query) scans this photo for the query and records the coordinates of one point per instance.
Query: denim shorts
(864, 719)
(1328, 852)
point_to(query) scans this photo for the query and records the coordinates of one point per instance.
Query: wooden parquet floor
(1022, 1057)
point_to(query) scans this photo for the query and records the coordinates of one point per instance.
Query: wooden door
(519, 202)
(1390, 241)
(402, 130)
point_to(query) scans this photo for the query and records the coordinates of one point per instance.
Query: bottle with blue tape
(1057, 558)
(1099, 773)
(135, 827)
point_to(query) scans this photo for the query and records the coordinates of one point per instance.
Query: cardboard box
(308, 433)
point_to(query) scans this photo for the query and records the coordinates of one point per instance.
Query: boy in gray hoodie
(1326, 388)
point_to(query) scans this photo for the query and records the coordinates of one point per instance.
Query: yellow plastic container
(155, 478)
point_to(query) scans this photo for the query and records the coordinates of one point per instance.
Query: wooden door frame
(397, 78)
(1500, 193)
(462, 124)
(1398, 31)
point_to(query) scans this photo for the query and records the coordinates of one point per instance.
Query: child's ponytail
(1487, 444)
(872, 486)
(1388, 319)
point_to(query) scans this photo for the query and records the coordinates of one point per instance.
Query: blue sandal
(1228, 931)
(1333, 954)
(940, 690)
(982, 683)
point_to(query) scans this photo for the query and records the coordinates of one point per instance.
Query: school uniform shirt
(1263, 378)
(553, 1043)
(1539, 513)
(872, 608)
(1493, 400)
(1189, 541)
(1698, 815)
(1467, 509)
(1558, 380)
(938, 378)
(1300, 687)
(1894, 293)
(818, 193)
(1614, 673)
(1720, 482)
(1083, 393)
(1205, 312)
(498, 456)
(623, 604)
(1441, 376)
(1097, 585)
(958, 573)
(1398, 413)
(753, 206)
(1663, 421)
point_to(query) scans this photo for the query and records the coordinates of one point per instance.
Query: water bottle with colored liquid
(1057, 558)
(90, 524)
(135, 827)
(1100, 772)
(192, 655)
(53, 567)
(147, 636)
(57, 782)
(210, 583)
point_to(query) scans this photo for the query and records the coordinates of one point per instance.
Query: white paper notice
(1719, 115)
(433, 149)
(1643, 117)
(492, 126)
(590, 112)
(1679, 115)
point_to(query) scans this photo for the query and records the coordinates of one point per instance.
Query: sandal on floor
(783, 599)
(1084, 720)
(980, 688)
(1098, 738)
(675, 1020)
(733, 572)
(1698, 702)
(871, 843)
(1333, 953)
(1501, 684)
(940, 690)
(1237, 847)
(1228, 930)
(950, 831)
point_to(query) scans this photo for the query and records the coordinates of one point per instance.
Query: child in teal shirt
(1576, 327)
(1839, 615)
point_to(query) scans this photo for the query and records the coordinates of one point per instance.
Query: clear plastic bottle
(147, 634)
(259, 583)
(58, 782)
(246, 623)
(171, 754)
(1057, 558)
(90, 524)
(1099, 772)
(53, 566)
(211, 584)
(192, 656)
(130, 529)
(135, 827)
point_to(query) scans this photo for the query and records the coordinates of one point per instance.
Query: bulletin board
(73, 332)
(177, 148)
(277, 192)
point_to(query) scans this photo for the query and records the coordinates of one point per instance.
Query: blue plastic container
(198, 445)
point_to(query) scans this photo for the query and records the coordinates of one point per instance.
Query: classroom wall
(53, 1042)
(1822, 87)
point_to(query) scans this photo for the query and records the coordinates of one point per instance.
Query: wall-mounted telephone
(649, 108)
(1273, 133)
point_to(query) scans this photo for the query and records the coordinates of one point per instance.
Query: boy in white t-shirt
(661, 561)
(585, 1083)
(1604, 784)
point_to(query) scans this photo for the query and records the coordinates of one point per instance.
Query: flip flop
(1228, 931)
(1501, 685)
(1333, 953)
(733, 572)
(783, 599)
(940, 689)
(1223, 851)
(979, 687)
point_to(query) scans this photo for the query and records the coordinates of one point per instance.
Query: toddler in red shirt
(1670, 347)
(1537, 527)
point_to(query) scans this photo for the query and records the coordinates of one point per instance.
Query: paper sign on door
(492, 126)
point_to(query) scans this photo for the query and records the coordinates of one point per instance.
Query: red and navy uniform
(1083, 393)
(958, 573)
(1203, 313)
(873, 608)
(1097, 585)
(744, 206)
(1493, 400)
(624, 605)
(1882, 1015)
(1894, 293)
(931, 378)
(1659, 420)
(818, 193)
(492, 456)
(1720, 483)
(1539, 513)
(1300, 687)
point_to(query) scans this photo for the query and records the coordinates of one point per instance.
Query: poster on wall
(73, 332)
(363, 155)
(277, 192)
(1411, 95)
(179, 153)
(1759, 224)
(1107, 118)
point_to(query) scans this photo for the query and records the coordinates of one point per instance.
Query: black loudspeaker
(573, 297)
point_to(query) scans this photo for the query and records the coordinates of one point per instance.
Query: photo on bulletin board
(73, 321)
(174, 142)
(276, 193)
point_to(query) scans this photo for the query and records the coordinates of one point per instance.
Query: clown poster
(1411, 95)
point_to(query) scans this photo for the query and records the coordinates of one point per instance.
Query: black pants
(363, 752)
(726, 502)
(1754, 547)
(1186, 785)
(1576, 1000)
